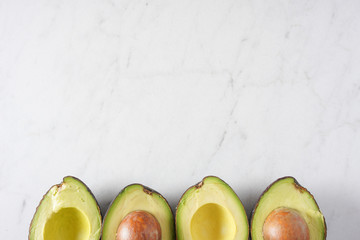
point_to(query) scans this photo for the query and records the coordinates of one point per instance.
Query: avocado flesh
(68, 211)
(287, 193)
(137, 197)
(211, 210)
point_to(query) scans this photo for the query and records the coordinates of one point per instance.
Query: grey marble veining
(166, 92)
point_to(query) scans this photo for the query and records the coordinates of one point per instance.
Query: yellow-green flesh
(134, 198)
(213, 222)
(212, 212)
(287, 194)
(67, 212)
(67, 223)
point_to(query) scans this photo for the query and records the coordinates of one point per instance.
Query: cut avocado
(137, 202)
(210, 210)
(68, 211)
(286, 210)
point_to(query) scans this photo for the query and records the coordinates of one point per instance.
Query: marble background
(166, 92)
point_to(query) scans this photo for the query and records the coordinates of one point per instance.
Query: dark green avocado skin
(267, 189)
(199, 185)
(87, 188)
(147, 190)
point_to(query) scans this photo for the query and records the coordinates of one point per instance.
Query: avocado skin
(147, 190)
(59, 185)
(199, 185)
(88, 189)
(298, 186)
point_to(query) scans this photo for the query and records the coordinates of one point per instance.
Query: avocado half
(138, 198)
(68, 211)
(211, 210)
(288, 209)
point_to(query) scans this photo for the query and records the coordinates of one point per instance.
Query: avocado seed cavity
(285, 224)
(139, 225)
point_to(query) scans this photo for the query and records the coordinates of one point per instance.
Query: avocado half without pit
(287, 211)
(138, 213)
(68, 211)
(210, 210)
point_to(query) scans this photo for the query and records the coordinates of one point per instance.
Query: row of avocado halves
(209, 210)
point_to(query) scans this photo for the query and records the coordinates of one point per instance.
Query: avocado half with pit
(211, 210)
(68, 211)
(286, 210)
(138, 212)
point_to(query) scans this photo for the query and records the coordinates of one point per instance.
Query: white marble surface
(166, 92)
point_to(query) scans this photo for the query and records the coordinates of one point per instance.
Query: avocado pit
(139, 225)
(285, 224)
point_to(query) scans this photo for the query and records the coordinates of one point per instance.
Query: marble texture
(167, 92)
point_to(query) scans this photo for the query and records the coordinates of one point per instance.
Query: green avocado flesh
(136, 197)
(211, 210)
(68, 211)
(286, 193)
